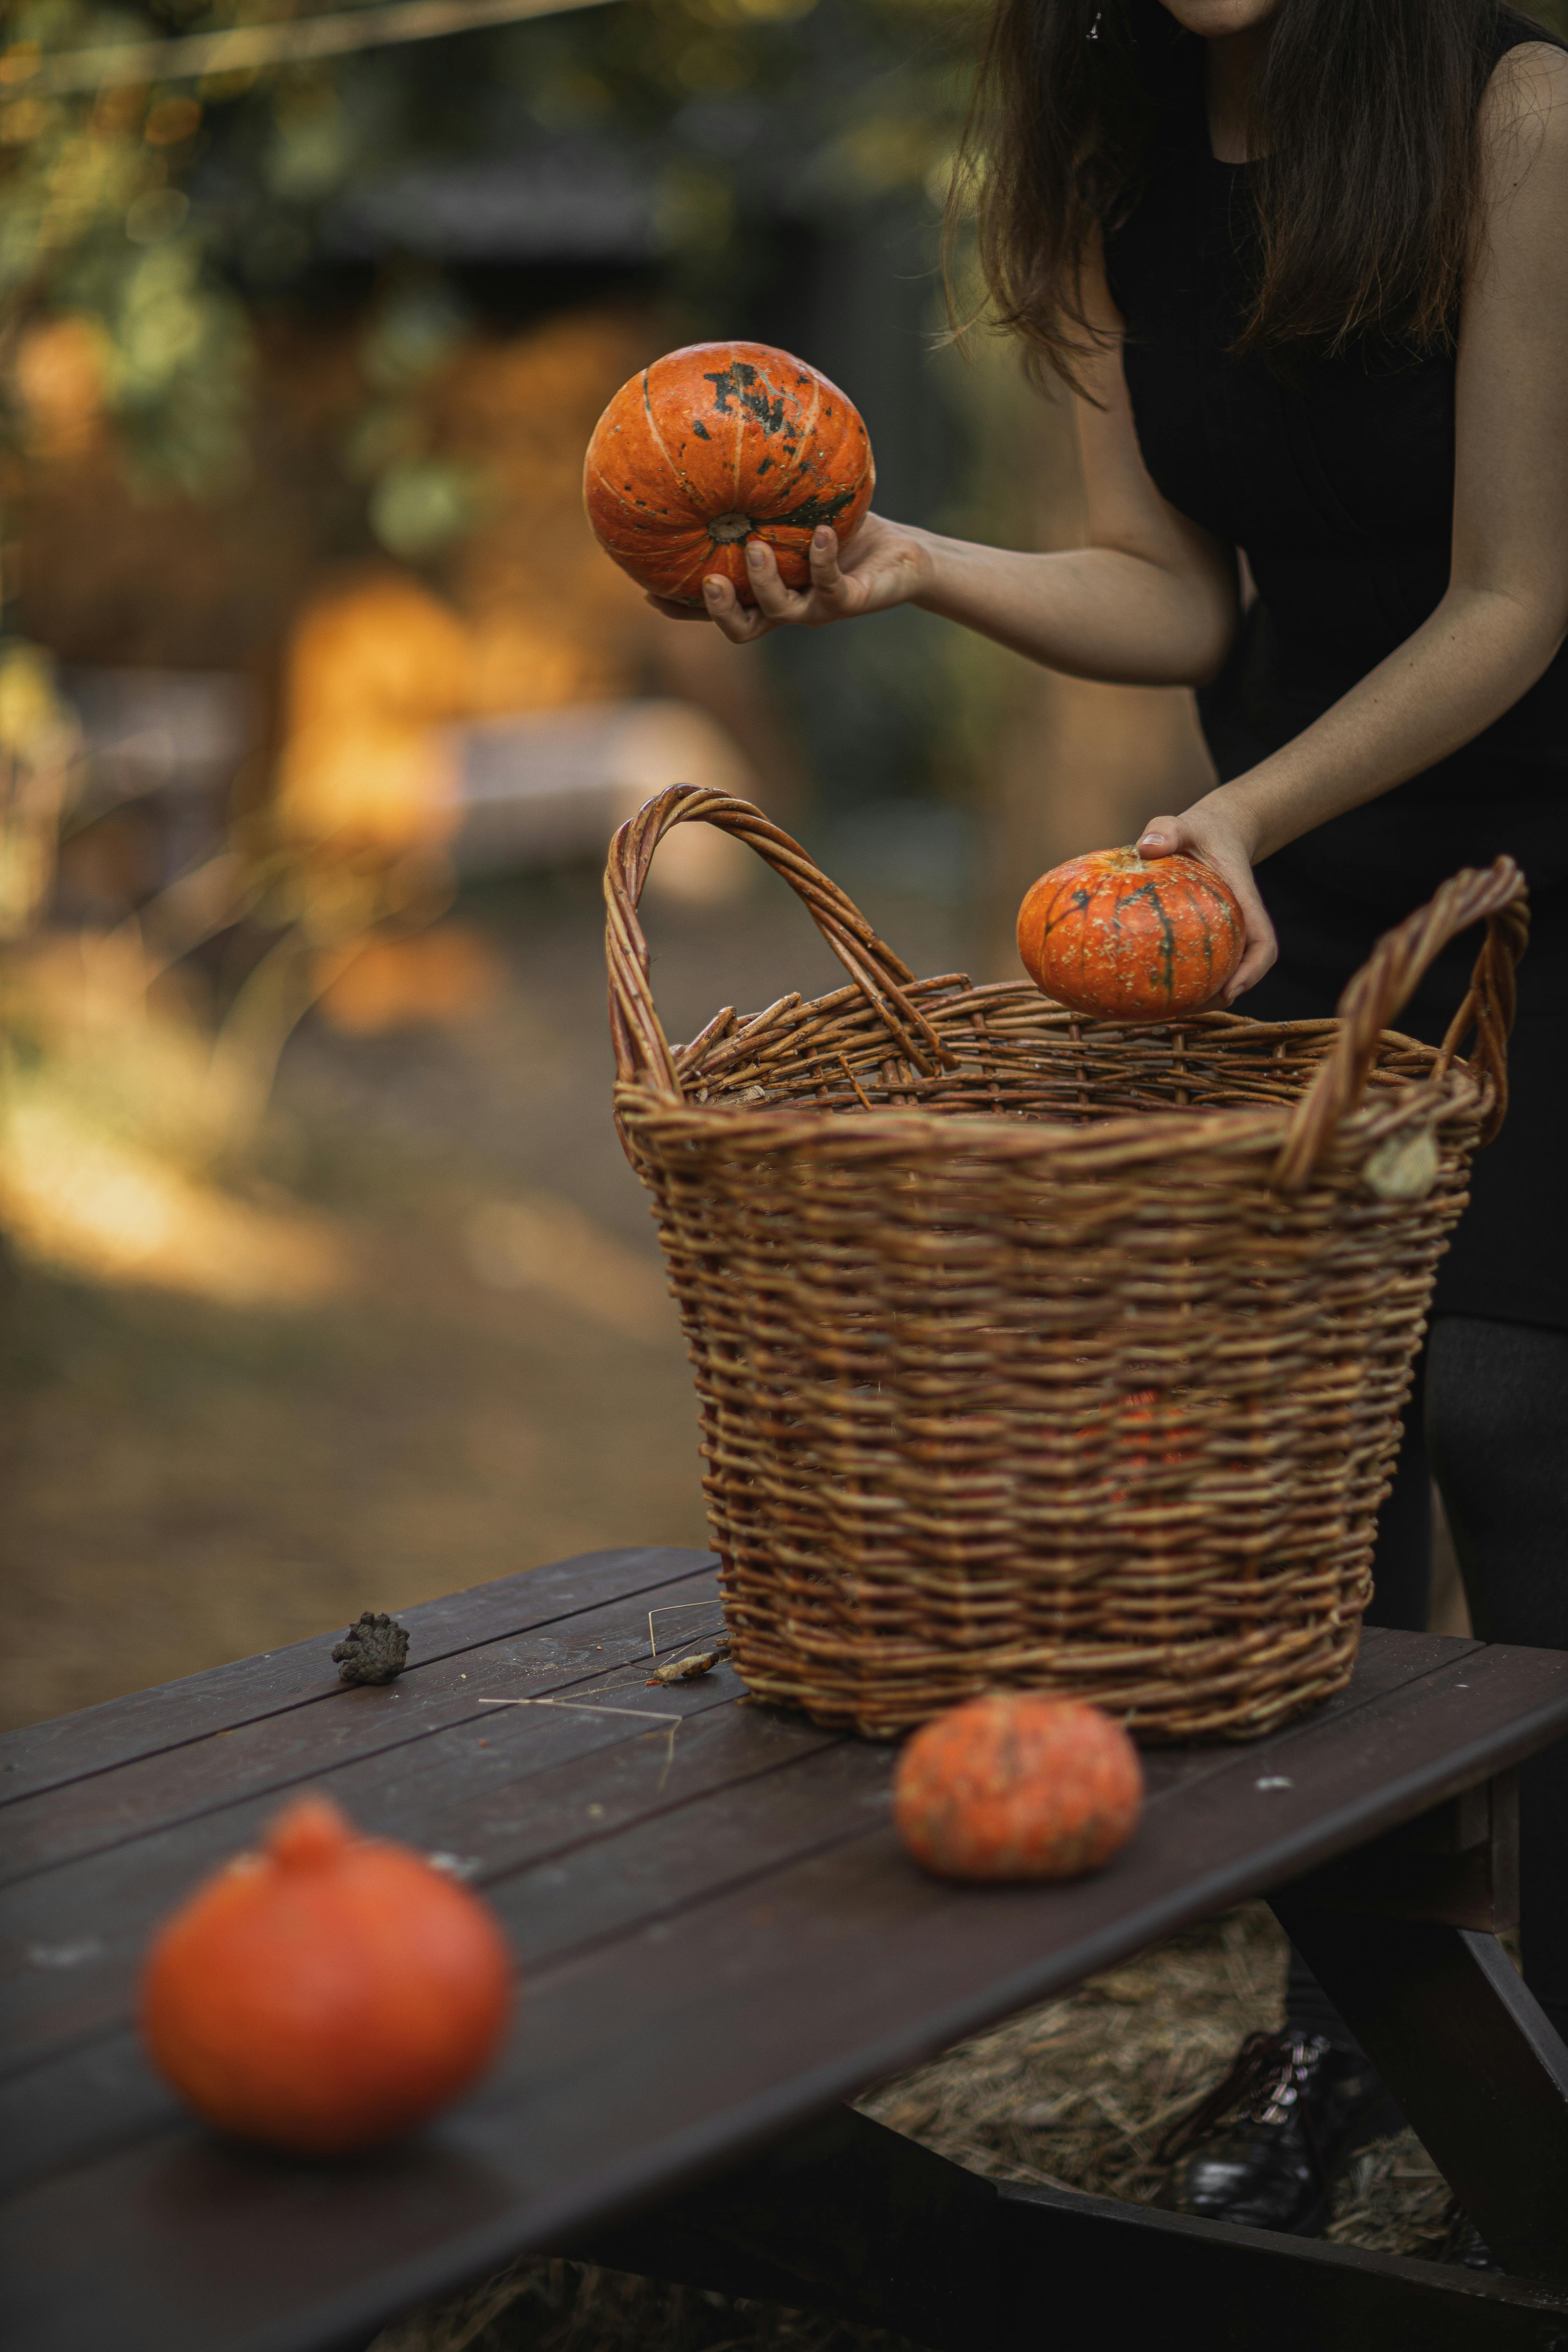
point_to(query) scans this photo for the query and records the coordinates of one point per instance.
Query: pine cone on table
(376, 1650)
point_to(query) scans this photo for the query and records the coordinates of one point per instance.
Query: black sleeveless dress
(1337, 480)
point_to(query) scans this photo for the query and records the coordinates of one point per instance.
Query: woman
(1305, 265)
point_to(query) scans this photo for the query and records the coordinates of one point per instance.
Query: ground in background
(490, 1373)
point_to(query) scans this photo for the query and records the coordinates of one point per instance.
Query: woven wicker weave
(1037, 1350)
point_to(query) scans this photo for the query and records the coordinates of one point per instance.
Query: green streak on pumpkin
(813, 512)
(734, 382)
(1150, 891)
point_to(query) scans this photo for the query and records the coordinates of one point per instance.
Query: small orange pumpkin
(1016, 1785)
(715, 445)
(326, 1993)
(1147, 1419)
(1131, 939)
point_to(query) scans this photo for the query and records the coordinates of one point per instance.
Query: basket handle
(1384, 985)
(642, 1050)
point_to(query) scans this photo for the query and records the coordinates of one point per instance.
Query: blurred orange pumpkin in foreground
(326, 1993)
(715, 445)
(1131, 939)
(1016, 1785)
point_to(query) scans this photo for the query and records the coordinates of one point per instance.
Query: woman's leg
(1402, 1561)
(1304, 2099)
(1401, 1598)
(1497, 1422)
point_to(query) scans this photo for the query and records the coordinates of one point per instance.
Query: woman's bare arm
(1150, 600)
(1505, 613)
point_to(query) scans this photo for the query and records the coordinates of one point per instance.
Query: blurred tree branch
(153, 218)
(286, 42)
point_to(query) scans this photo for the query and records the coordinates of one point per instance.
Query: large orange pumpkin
(1016, 1785)
(715, 445)
(326, 1993)
(1131, 939)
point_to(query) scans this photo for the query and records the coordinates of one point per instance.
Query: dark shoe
(1265, 2144)
(1465, 2245)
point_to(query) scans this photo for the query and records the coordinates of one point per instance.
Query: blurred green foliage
(162, 221)
(160, 216)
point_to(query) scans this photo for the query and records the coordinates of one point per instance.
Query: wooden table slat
(98, 1738)
(710, 2030)
(716, 1941)
(73, 1935)
(651, 1864)
(273, 1751)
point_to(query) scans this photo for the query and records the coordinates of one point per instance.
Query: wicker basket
(1037, 1350)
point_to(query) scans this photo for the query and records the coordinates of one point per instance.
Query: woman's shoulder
(1524, 111)
(1530, 67)
(1524, 51)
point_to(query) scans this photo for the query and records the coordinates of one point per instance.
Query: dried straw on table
(1033, 1350)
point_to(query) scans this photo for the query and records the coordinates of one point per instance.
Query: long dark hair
(1364, 122)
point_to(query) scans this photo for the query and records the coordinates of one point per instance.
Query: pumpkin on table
(715, 445)
(1128, 938)
(1017, 1785)
(327, 1993)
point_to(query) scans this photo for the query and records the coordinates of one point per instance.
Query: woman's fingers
(1161, 838)
(674, 611)
(1262, 954)
(720, 604)
(826, 577)
(828, 597)
(779, 602)
(883, 568)
(739, 623)
(1207, 836)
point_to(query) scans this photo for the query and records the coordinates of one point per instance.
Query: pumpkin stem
(312, 1830)
(728, 528)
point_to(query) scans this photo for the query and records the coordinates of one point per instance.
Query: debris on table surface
(688, 1669)
(374, 1650)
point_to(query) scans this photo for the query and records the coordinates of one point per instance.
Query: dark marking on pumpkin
(736, 384)
(1077, 902)
(701, 430)
(765, 465)
(812, 512)
(1151, 891)
(1207, 936)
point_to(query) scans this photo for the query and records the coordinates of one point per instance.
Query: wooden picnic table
(721, 1941)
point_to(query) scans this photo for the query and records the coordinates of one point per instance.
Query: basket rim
(1130, 1141)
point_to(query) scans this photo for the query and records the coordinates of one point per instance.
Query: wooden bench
(720, 1941)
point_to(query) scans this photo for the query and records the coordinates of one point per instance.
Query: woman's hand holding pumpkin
(882, 565)
(1215, 830)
